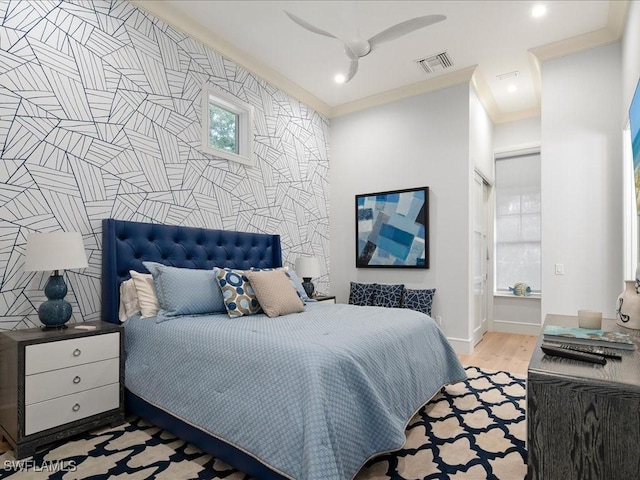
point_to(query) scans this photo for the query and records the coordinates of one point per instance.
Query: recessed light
(512, 88)
(538, 11)
(339, 78)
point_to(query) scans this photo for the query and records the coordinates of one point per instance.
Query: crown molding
(577, 44)
(612, 33)
(175, 18)
(519, 115)
(463, 75)
(486, 97)
(617, 18)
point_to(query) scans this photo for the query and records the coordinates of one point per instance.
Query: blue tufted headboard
(125, 245)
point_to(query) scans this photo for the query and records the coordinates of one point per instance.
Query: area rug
(471, 430)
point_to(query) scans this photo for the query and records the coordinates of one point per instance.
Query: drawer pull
(77, 352)
(76, 379)
(76, 407)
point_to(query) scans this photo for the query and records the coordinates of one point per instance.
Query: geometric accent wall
(100, 117)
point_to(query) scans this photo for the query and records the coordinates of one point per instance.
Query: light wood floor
(502, 351)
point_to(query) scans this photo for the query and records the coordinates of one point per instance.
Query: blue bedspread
(313, 395)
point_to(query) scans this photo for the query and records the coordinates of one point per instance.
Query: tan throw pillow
(275, 292)
(147, 298)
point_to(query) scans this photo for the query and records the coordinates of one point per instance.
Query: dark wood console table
(583, 419)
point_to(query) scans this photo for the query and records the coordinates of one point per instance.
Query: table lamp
(307, 268)
(55, 251)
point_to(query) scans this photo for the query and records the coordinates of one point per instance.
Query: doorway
(481, 257)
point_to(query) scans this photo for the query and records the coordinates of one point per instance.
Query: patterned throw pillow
(419, 300)
(238, 294)
(186, 291)
(362, 293)
(389, 296)
(275, 292)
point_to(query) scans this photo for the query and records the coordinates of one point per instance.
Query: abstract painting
(392, 229)
(634, 121)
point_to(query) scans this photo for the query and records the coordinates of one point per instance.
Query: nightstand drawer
(49, 414)
(43, 357)
(57, 383)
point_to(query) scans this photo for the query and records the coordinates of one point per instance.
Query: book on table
(585, 336)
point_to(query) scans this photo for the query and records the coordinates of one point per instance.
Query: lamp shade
(308, 267)
(54, 251)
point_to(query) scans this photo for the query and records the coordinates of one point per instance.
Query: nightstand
(325, 298)
(58, 383)
(582, 419)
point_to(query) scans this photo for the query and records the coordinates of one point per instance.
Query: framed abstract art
(392, 229)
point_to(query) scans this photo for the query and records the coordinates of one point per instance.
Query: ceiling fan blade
(308, 26)
(403, 28)
(350, 53)
(353, 69)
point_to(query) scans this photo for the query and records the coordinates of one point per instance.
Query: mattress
(312, 395)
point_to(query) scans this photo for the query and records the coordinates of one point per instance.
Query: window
(517, 222)
(227, 127)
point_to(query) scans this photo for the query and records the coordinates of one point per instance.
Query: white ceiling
(498, 37)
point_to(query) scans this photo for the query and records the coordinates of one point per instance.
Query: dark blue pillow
(361, 293)
(419, 300)
(389, 296)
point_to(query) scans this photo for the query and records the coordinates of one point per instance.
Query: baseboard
(461, 346)
(515, 327)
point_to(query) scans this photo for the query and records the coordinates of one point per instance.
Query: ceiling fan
(359, 47)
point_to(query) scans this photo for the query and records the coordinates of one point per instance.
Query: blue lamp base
(55, 312)
(308, 286)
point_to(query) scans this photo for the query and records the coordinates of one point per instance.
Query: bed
(305, 396)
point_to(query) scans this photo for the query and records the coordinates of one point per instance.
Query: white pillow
(147, 298)
(129, 304)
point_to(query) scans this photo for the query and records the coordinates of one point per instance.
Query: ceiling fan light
(512, 88)
(339, 78)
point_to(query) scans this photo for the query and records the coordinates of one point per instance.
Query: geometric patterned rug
(471, 430)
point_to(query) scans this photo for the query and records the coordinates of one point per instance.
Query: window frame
(533, 149)
(244, 131)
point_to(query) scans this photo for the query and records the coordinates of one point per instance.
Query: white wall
(630, 57)
(517, 134)
(582, 181)
(423, 140)
(480, 137)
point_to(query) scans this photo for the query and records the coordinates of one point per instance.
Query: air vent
(433, 63)
(508, 76)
